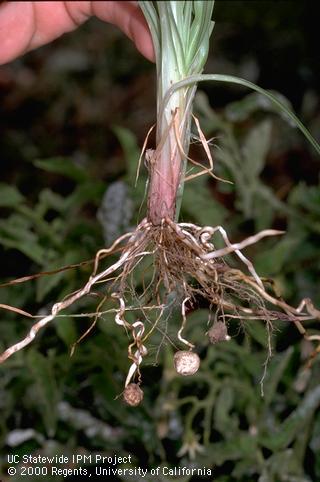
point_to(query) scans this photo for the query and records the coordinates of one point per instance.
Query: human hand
(27, 25)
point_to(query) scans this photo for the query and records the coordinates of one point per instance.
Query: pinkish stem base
(165, 173)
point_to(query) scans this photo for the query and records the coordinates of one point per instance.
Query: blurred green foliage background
(74, 115)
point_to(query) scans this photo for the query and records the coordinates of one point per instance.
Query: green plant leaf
(223, 420)
(66, 329)
(276, 368)
(271, 261)
(201, 205)
(87, 191)
(16, 232)
(255, 148)
(131, 150)
(315, 444)
(10, 196)
(307, 198)
(284, 435)
(241, 110)
(257, 331)
(241, 445)
(44, 284)
(64, 166)
(45, 394)
(194, 79)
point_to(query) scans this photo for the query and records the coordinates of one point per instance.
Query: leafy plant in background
(199, 419)
(219, 409)
(179, 262)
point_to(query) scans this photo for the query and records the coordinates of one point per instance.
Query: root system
(180, 262)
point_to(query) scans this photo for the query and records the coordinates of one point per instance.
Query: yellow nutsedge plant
(179, 259)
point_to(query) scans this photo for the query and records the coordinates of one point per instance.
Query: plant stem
(180, 32)
(168, 164)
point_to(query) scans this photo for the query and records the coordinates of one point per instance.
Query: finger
(53, 19)
(17, 25)
(28, 25)
(130, 19)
